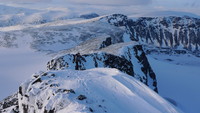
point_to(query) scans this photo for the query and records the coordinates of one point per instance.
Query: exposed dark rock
(125, 62)
(16, 109)
(106, 43)
(117, 19)
(146, 68)
(9, 101)
(39, 104)
(91, 110)
(66, 91)
(173, 32)
(20, 90)
(49, 111)
(45, 74)
(97, 60)
(25, 108)
(54, 85)
(81, 97)
(37, 80)
(169, 59)
(36, 76)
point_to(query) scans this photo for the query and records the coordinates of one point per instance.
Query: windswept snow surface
(178, 80)
(106, 90)
(16, 65)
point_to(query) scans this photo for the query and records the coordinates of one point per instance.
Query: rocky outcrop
(131, 60)
(91, 61)
(173, 32)
(176, 33)
(116, 19)
(10, 103)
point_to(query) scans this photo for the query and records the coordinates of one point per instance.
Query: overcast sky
(117, 6)
(102, 2)
(169, 3)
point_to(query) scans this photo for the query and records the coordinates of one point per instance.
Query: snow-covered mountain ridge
(96, 90)
(127, 57)
(176, 33)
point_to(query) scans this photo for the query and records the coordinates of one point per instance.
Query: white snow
(126, 37)
(177, 82)
(107, 90)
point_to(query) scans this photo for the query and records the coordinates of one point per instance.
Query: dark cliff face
(91, 61)
(132, 61)
(146, 68)
(171, 32)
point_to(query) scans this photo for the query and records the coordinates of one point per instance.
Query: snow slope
(178, 82)
(96, 90)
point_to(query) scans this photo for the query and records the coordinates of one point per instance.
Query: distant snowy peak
(98, 90)
(115, 19)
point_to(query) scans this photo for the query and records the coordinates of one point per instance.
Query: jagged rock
(47, 92)
(81, 97)
(172, 32)
(106, 43)
(92, 61)
(129, 59)
(11, 101)
(175, 33)
(116, 19)
(90, 109)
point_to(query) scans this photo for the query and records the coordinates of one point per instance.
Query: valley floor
(178, 82)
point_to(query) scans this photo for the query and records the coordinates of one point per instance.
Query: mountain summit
(99, 90)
